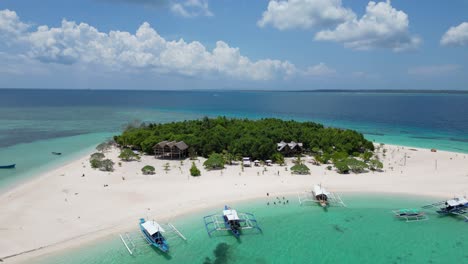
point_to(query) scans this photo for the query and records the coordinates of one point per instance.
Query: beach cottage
(170, 150)
(289, 149)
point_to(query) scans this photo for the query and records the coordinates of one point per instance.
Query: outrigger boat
(321, 196)
(152, 232)
(457, 206)
(231, 221)
(12, 166)
(410, 215)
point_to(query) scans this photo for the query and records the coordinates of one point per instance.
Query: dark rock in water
(207, 261)
(338, 228)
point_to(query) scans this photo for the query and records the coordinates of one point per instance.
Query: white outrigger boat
(153, 234)
(457, 206)
(232, 221)
(321, 196)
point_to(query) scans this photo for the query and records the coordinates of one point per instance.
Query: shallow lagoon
(365, 232)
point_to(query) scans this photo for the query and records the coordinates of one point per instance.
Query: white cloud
(191, 8)
(434, 70)
(319, 70)
(382, 26)
(456, 36)
(10, 24)
(73, 43)
(305, 14)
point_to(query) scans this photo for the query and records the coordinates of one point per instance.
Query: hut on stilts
(170, 150)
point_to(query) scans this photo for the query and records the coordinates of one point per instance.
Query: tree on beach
(107, 165)
(375, 164)
(148, 170)
(128, 155)
(342, 167)
(355, 165)
(97, 156)
(300, 169)
(215, 161)
(278, 158)
(194, 171)
(105, 146)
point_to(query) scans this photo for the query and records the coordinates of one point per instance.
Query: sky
(234, 44)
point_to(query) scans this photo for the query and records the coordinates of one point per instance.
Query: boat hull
(12, 166)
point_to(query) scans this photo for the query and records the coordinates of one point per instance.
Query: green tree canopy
(215, 161)
(300, 169)
(194, 171)
(128, 155)
(148, 170)
(250, 138)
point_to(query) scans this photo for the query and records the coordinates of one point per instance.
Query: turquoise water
(365, 232)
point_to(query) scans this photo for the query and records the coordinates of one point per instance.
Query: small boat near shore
(458, 206)
(230, 220)
(153, 233)
(410, 215)
(320, 196)
(56, 153)
(11, 166)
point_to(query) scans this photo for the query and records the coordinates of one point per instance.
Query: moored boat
(153, 233)
(11, 166)
(56, 153)
(232, 220)
(321, 195)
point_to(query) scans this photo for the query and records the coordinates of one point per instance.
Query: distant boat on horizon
(56, 153)
(11, 166)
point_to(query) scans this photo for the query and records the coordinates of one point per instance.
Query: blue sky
(234, 44)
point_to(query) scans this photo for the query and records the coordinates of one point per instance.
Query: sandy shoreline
(62, 205)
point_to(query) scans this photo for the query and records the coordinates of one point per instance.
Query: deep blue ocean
(35, 122)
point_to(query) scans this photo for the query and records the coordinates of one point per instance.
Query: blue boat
(457, 206)
(12, 166)
(152, 232)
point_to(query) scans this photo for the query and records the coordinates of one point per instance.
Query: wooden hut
(289, 149)
(170, 150)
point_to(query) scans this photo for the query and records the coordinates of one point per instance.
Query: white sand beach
(62, 205)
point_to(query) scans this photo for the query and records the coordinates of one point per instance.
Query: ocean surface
(364, 232)
(34, 123)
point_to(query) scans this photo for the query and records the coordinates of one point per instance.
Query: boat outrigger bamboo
(410, 215)
(231, 221)
(457, 206)
(321, 196)
(153, 234)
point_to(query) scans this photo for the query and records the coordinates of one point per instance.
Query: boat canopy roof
(457, 201)
(231, 214)
(318, 189)
(152, 227)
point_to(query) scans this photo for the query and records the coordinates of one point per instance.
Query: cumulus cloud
(191, 8)
(382, 26)
(10, 24)
(305, 14)
(319, 70)
(184, 8)
(456, 36)
(74, 43)
(434, 70)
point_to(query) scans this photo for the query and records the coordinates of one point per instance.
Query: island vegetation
(222, 140)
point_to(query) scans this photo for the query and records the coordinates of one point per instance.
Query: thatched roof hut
(170, 149)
